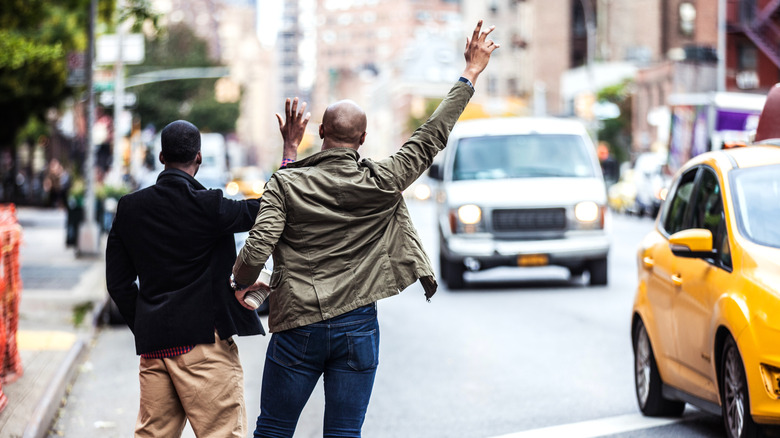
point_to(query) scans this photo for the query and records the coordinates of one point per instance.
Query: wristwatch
(235, 285)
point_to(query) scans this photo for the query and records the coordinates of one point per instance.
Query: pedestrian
(341, 239)
(176, 238)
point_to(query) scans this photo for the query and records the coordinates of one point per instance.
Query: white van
(521, 192)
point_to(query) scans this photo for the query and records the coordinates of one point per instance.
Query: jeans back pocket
(363, 350)
(289, 347)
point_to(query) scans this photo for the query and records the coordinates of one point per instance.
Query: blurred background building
(636, 71)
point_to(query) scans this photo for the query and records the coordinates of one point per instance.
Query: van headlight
(466, 219)
(469, 214)
(587, 211)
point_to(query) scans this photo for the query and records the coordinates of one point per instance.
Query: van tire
(598, 272)
(451, 273)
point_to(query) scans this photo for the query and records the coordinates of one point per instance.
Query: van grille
(529, 220)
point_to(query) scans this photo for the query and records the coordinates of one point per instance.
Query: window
(522, 156)
(675, 212)
(707, 213)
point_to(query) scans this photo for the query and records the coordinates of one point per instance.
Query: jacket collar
(176, 174)
(335, 154)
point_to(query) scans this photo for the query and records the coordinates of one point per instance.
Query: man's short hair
(180, 142)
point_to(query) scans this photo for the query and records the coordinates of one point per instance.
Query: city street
(515, 354)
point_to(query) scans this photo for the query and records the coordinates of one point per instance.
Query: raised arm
(417, 154)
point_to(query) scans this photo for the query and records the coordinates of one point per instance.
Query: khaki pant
(204, 386)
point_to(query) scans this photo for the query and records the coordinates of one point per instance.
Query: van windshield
(522, 156)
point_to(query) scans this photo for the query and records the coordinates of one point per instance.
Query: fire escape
(761, 25)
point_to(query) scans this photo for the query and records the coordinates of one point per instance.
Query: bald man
(341, 239)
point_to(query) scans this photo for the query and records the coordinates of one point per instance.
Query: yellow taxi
(248, 181)
(706, 317)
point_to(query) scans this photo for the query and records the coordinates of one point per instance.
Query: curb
(49, 404)
(46, 409)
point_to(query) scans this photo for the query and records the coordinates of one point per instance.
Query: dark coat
(176, 237)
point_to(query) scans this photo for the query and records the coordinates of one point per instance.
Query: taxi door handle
(648, 262)
(677, 280)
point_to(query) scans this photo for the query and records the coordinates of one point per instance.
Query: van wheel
(734, 392)
(647, 380)
(452, 273)
(598, 272)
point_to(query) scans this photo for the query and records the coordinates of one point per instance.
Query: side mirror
(695, 243)
(435, 172)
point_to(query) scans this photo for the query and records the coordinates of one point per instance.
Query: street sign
(107, 99)
(76, 69)
(106, 49)
(103, 80)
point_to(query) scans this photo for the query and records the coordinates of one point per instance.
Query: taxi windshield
(757, 198)
(522, 156)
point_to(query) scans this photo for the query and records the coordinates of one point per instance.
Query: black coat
(176, 237)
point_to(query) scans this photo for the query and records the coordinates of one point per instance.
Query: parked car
(650, 183)
(621, 196)
(706, 317)
(520, 192)
(247, 181)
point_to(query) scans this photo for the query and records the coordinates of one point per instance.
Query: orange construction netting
(10, 294)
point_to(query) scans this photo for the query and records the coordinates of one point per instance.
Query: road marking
(597, 428)
(44, 340)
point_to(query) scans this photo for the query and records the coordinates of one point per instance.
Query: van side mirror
(435, 172)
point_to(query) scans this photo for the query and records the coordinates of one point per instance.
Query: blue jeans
(345, 349)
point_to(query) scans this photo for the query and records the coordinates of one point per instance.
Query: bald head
(343, 125)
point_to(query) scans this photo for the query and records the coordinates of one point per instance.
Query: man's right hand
(292, 127)
(478, 51)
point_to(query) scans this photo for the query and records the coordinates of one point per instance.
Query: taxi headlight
(232, 188)
(258, 187)
(469, 214)
(587, 211)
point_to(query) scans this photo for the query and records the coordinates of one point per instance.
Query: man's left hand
(292, 127)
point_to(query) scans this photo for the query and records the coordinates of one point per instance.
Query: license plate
(532, 260)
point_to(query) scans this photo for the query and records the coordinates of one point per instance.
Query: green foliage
(35, 38)
(190, 99)
(412, 123)
(617, 132)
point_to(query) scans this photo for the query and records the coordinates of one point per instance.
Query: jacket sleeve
(121, 273)
(416, 155)
(237, 216)
(264, 235)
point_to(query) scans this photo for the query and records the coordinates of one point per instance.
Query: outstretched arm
(292, 128)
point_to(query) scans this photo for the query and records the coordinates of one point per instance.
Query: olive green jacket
(339, 229)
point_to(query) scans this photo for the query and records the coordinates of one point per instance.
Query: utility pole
(721, 73)
(117, 168)
(89, 233)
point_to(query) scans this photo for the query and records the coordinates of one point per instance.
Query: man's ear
(322, 131)
(362, 137)
(162, 159)
(198, 158)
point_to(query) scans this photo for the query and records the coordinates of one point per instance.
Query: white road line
(597, 428)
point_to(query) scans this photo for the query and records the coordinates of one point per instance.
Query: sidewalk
(57, 289)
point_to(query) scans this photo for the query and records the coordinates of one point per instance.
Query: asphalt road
(515, 354)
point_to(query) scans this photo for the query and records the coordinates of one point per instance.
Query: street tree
(160, 103)
(35, 38)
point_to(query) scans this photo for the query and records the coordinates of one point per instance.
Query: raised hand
(478, 51)
(292, 127)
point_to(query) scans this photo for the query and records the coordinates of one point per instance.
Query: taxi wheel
(648, 381)
(734, 394)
